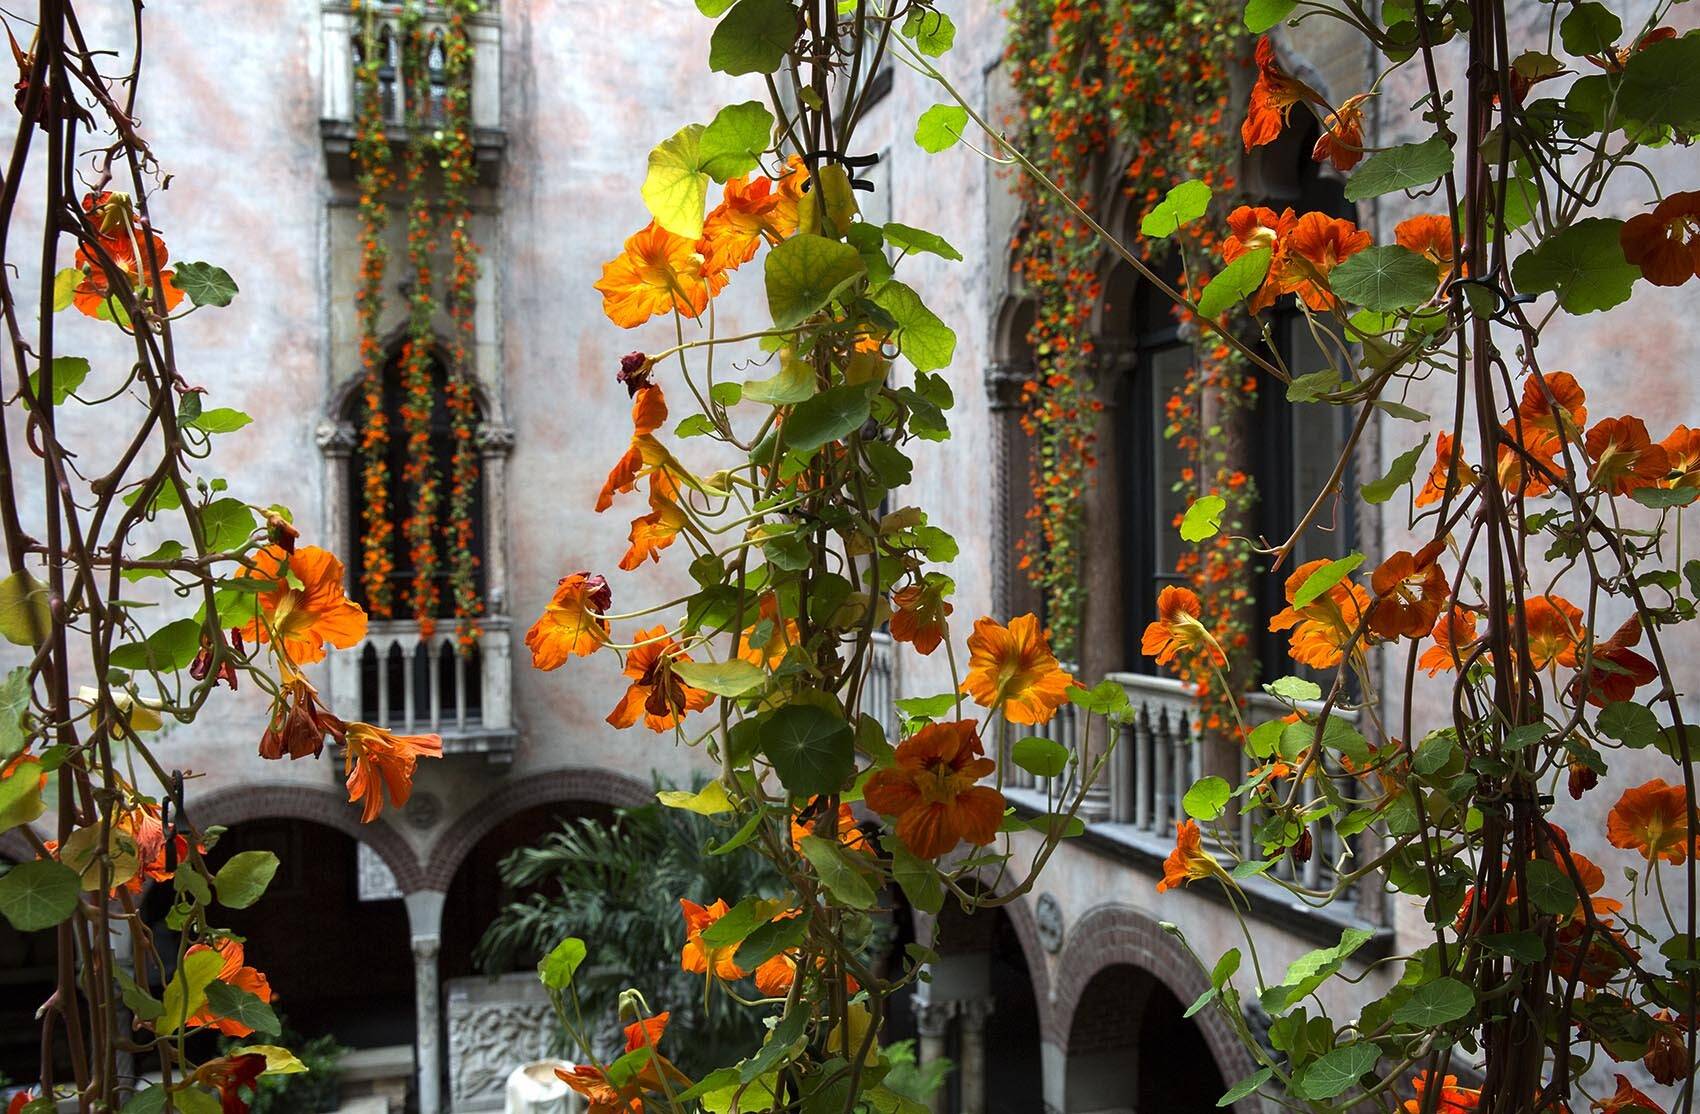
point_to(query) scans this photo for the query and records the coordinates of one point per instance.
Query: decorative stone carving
(1003, 381)
(335, 438)
(1048, 919)
(495, 438)
(423, 810)
(494, 1026)
(374, 879)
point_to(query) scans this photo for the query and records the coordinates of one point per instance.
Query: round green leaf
(722, 678)
(675, 188)
(1183, 204)
(1040, 757)
(205, 284)
(811, 748)
(1203, 519)
(753, 38)
(1261, 15)
(1207, 799)
(804, 272)
(1325, 578)
(829, 416)
(940, 127)
(1400, 168)
(1398, 475)
(1583, 265)
(932, 30)
(1335, 1072)
(1385, 278)
(241, 881)
(734, 140)
(1436, 1003)
(557, 968)
(1235, 283)
(24, 614)
(38, 894)
(837, 873)
(925, 340)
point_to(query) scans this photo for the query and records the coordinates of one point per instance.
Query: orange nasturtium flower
(1554, 627)
(1682, 453)
(237, 973)
(1665, 243)
(658, 272)
(133, 252)
(1318, 244)
(1251, 227)
(1617, 670)
(1454, 639)
(918, 613)
(736, 228)
(1323, 627)
(1625, 457)
(789, 191)
(1652, 818)
(1453, 1098)
(765, 642)
(1536, 413)
(1430, 236)
(1627, 1100)
(931, 789)
(698, 958)
(656, 695)
(1342, 139)
(1440, 476)
(1177, 628)
(1410, 589)
(299, 724)
(649, 411)
(655, 531)
(571, 622)
(603, 1096)
(849, 834)
(303, 619)
(1189, 861)
(231, 1076)
(1272, 98)
(378, 761)
(1012, 667)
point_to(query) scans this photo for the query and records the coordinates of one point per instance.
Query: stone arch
(238, 804)
(574, 783)
(1026, 926)
(1119, 935)
(344, 388)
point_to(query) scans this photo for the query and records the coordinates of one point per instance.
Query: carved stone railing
(412, 685)
(1159, 754)
(494, 1026)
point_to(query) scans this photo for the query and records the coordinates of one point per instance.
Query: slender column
(336, 443)
(972, 1070)
(495, 442)
(932, 1022)
(425, 918)
(1009, 484)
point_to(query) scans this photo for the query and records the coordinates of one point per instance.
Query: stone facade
(582, 91)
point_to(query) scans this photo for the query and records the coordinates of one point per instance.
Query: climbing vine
(458, 171)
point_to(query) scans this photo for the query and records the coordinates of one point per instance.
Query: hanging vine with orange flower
(1132, 98)
(373, 178)
(458, 171)
(418, 397)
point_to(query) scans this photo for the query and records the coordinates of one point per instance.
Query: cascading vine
(431, 213)
(374, 177)
(458, 171)
(1135, 98)
(418, 397)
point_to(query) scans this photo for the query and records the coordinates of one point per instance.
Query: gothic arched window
(400, 500)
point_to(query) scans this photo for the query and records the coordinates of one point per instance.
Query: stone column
(1101, 634)
(932, 1023)
(336, 443)
(972, 1069)
(1011, 594)
(425, 918)
(495, 443)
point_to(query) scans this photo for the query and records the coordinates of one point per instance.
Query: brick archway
(241, 803)
(1116, 935)
(1021, 919)
(575, 783)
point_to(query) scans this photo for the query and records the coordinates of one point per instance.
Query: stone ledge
(489, 149)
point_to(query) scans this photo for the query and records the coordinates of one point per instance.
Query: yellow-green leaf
(675, 188)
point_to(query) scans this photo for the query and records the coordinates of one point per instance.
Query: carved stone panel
(495, 1025)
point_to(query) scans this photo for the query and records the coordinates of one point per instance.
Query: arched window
(1294, 445)
(400, 500)
(1153, 466)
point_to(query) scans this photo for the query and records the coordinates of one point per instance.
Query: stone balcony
(411, 684)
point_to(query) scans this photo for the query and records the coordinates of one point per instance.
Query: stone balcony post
(932, 1023)
(972, 1070)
